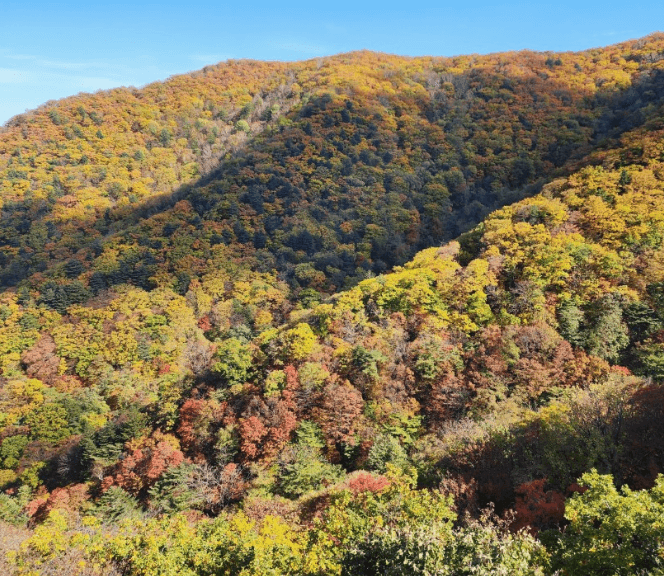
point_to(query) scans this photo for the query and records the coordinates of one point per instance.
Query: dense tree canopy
(358, 315)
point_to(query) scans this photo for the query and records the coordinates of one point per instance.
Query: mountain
(316, 317)
(324, 170)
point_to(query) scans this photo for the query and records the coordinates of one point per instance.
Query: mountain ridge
(46, 105)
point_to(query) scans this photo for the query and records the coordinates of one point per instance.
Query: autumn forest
(359, 315)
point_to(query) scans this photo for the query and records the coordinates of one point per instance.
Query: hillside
(323, 170)
(359, 315)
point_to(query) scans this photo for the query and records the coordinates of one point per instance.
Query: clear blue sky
(50, 50)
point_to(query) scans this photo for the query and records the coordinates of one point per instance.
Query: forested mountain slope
(324, 170)
(182, 393)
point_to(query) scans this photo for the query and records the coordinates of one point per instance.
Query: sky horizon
(51, 50)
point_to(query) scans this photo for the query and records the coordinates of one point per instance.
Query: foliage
(228, 296)
(233, 361)
(301, 470)
(386, 450)
(609, 530)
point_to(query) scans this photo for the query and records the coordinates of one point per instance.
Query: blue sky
(49, 50)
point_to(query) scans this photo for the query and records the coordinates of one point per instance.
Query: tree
(385, 450)
(299, 342)
(436, 550)
(174, 492)
(302, 470)
(48, 422)
(144, 464)
(399, 552)
(341, 407)
(233, 361)
(116, 504)
(610, 531)
(11, 450)
(242, 126)
(607, 335)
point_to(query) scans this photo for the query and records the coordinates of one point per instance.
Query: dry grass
(10, 540)
(70, 563)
